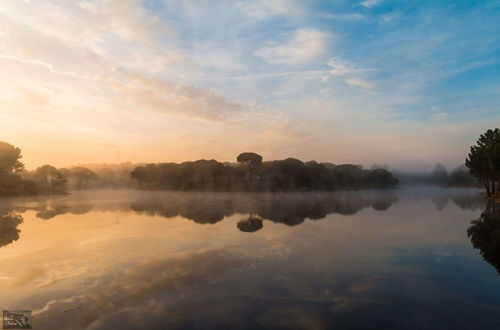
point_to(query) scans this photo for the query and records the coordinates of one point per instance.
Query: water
(146, 260)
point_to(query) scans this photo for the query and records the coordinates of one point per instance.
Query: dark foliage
(11, 183)
(8, 228)
(485, 234)
(251, 174)
(483, 161)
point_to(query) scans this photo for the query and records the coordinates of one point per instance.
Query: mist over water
(132, 259)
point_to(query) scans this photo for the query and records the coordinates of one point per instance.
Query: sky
(402, 83)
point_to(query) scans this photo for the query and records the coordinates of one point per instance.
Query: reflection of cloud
(293, 318)
(28, 275)
(140, 285)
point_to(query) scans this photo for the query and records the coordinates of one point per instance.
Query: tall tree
(251, 160)
(10, 159)
(483, 160)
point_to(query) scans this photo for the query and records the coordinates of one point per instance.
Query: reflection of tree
(196, 208)
(290, 209)
(485, 234)
(49, 211)
(8, 228)
(382, 205)
(251, 224)
(440, 201)
(470, 202)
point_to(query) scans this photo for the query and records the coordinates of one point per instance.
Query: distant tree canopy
(483, 161)
(252, 174)
(457, 177)
(46, 179)
(82, 176)
(50, 176)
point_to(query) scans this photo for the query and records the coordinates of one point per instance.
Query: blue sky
(405, 83)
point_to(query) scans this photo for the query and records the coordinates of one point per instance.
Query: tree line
(439, 176)
(248, 173)
(15, 180)
(251, 173)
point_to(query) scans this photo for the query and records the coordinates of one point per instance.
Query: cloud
(342, 17)
(349, 73)
(304, 45)
(100, 72)
(32, 98)
(370, 3)
(358, 83)
(263, 9)
(165, 97)
(340, 67)
(439, 116)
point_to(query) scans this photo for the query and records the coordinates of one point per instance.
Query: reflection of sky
(411, 266)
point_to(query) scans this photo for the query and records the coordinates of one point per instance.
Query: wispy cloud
(263, 9)
(358, 83)
(101, 68)
(349, 73)
(370, 3)
(303, 45)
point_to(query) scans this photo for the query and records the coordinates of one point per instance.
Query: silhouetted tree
(251, 160)
(483, 160)
(10, 159)
(11, 183)
(277, 175)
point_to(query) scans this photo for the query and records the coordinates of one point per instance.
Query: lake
(391, 259)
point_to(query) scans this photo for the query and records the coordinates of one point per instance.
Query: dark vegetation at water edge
(251, 173)
(248, 173)
(15, 180)
(439, 176)
(11, 183)
(483, 162)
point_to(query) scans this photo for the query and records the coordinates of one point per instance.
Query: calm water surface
(353, 260)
